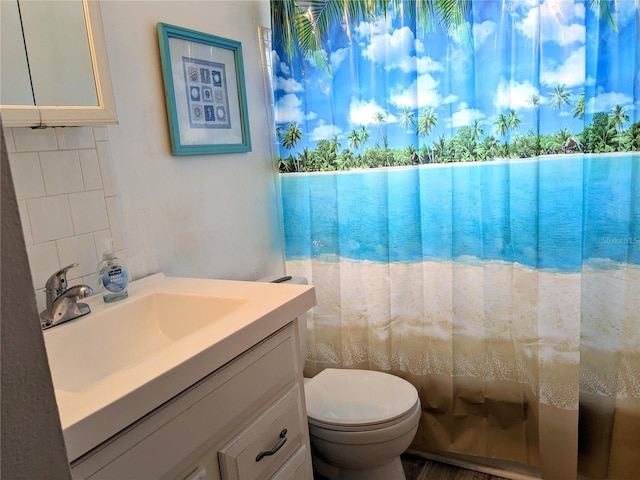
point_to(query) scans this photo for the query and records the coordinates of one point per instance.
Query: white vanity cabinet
(217, 428)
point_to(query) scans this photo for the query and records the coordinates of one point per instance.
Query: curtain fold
(466, 201)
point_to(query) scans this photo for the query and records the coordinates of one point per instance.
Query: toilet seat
(358, 400)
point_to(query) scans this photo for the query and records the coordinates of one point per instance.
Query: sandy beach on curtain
(499, 320)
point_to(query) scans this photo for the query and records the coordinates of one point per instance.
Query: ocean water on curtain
(525, 211)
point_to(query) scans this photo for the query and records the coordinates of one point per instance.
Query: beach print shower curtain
(461, 183)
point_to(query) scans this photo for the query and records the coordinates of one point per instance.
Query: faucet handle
(57, 282)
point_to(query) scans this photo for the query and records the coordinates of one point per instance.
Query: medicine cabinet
(54, 69)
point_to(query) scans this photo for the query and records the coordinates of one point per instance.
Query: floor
(416, 468)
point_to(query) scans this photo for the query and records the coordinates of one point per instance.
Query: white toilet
(360, 421)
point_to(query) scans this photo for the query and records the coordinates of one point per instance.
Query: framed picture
(204, 91)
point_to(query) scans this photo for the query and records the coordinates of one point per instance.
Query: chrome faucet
(62, 301)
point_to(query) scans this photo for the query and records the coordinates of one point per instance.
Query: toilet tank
(302, 320)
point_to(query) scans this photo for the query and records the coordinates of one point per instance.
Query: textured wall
(32, 443)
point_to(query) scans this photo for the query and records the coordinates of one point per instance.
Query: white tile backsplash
(79, 249)
(61, 172)
(27, 175)
(62, 176)
(90, 169)
(43, 260)
(116, 222)
(100, 238)
(88, 211)
(50, 218)
(106, 168)
(70, 138)
(34, 139)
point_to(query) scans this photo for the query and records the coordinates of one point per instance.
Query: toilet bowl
(360, 421)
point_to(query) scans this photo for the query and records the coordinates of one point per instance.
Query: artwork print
(206, 93)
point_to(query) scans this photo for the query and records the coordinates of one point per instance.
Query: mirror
(54, 65)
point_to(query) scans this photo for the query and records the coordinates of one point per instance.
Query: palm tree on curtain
(302, 25)
(632, 137)
(354, 139)
(291, 137)
(600, 135)
(476, 132)
(559, 98)
(427, 120)
(501, 126)
(534, 102)
(618, 118)
(407, 118)
(304, 160)
(578, 110)
(439, 149)
(379, 119)
(513, 121)
(490, 148)
(364, 135)
(602, 8)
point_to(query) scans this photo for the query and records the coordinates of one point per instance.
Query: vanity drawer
(278, 431)
(296, 467)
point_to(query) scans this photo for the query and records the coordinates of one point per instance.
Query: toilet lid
(357, 397)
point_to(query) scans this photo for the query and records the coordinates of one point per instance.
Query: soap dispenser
(113, 276)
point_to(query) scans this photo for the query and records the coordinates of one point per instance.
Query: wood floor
(416, 468)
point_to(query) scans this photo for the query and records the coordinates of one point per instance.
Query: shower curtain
(461, 183)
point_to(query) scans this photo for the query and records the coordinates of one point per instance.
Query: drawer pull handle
(277, 446)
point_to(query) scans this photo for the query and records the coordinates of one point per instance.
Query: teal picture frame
(205, 92)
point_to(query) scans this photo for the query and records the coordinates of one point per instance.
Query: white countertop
(92, 415)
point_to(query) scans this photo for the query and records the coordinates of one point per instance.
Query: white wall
(203, 216)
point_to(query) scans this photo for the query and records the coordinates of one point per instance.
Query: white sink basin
(113, 366)
(129, 333)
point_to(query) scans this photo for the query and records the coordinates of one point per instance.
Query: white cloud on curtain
(467, 204)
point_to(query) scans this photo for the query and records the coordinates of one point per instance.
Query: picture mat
(180, 48)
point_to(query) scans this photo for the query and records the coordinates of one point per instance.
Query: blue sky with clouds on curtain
(516, 49)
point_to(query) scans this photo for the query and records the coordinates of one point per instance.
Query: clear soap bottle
(113, 276)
